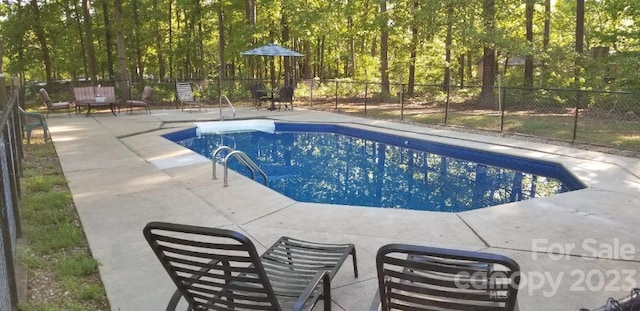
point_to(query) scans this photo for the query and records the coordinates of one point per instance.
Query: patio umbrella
(273, 50)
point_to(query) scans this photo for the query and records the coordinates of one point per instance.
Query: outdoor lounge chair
(32, 121)
(218, 269)
(51, 106)
(186, 98)
(285, 95)
(418, 278)
(145, 100)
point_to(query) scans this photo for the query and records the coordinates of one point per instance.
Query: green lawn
(603, 129)
(62, 274)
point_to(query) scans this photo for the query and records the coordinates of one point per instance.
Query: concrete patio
(575, 249)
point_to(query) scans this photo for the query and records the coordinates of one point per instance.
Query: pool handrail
(213, 159)
(244, 159)
(233, 109)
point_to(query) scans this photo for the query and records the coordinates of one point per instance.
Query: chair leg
(353, 253)
(45, 131)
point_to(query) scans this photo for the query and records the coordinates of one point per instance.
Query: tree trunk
(546, 35)
(579, 51)
(284, 27)
(158, 42)
(122, 55)
(414, 50)
(308, 74)
(461, 71)
(489, 58)
(528, 61)
(76, 15)
(171, 72)
(139, 72)
(222, 72)
(321, 55)
(579, 40)
(447, 48)
(88, 32)
(200, 61)
(384, 48)
(42, 40)
(108, 39)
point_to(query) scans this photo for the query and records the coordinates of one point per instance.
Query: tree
(528, 62)
(88, 34)
(42, 39)
(122, 54)
(448, 42)
(384, 47)
(489, 58)
(413, 47)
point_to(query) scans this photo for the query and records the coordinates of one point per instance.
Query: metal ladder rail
(244, 159)
(213, 159)
(233, 109)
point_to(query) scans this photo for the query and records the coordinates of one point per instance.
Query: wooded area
(590, 44)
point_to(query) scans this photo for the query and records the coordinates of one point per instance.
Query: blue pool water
(335, 164)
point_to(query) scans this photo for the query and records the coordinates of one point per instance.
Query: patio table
(98, 102)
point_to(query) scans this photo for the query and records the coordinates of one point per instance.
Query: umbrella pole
(273, 73)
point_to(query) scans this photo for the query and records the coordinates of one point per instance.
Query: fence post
(336, 95)
(575, 118)
(446, 108)
(366, 89)
(312, 83)
(401, 102)
(4, 98)
(502, 104)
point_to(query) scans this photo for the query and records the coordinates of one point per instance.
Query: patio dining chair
(145, 100)
(259, 94)
(218, 269)
(285, 95)
(51, 106)
(421, 278)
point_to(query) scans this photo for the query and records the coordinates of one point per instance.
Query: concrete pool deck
(575, 249)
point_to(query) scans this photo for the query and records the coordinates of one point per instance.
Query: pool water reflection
(339, 165)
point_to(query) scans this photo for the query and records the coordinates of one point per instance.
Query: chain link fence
(602, 118)
(10, 166)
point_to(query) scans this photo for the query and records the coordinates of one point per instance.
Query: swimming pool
(336, 164)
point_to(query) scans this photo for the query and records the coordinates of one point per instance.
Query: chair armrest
(321, 276)
(33, 115)
(173, 302)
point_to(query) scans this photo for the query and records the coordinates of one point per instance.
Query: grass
(62, 274)
(598, 129)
